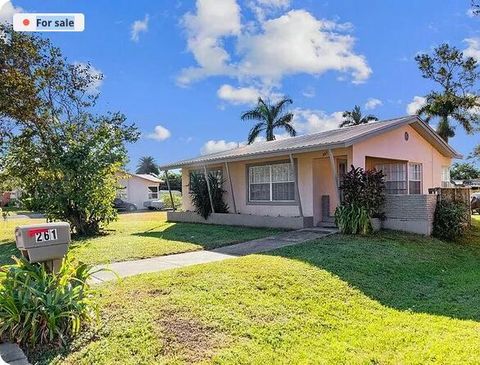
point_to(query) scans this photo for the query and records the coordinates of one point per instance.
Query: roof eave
(254, 156)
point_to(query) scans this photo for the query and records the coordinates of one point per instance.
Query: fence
(457, 195)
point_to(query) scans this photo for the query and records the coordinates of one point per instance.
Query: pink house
(294, 182)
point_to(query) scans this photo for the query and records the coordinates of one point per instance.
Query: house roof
(148, 177)
(336, 138)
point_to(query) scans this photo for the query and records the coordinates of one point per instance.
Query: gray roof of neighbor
(336, 138)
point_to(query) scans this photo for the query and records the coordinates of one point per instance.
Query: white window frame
(445, 183)
(411, 177)
(271, 182)
(381, 167)
(153, 194)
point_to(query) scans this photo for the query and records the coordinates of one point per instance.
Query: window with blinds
(415, 178)
(446, 177)
(274, 182)
(395, 177)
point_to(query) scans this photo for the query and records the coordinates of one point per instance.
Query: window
(415, 178)
(395, 177)
(153, 192)
(446, 177)
(271, 183)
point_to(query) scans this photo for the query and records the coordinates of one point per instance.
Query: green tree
(271, 117)
(355, 117)
(456, 99)
(64, 156)
(464, 171)
(147, 165)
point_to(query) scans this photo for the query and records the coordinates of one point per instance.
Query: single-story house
(138, 188)
(294, 182)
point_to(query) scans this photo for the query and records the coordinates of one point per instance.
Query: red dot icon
(26, 22)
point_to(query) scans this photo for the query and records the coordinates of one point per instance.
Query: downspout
(334, 173)
(295, 174)
(231, 187)
(208, 188)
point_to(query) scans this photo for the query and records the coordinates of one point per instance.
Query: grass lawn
(386, 299)
(140, 235)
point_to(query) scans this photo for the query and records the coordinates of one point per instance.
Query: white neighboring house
(139, 188)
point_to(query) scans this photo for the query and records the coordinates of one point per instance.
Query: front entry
(325, 186)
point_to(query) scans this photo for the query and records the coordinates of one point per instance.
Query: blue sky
(183, 71)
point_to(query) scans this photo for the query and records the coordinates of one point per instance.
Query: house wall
(314, 176)
(392, 145)
(410, 213)
(137, 190)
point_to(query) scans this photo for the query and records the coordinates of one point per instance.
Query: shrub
(200, 196)
(38, 307)
(450, 220)
(364, 188)
(167, 203)
(363, 196)
(353, 219)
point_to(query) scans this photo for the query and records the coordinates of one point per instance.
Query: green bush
(200, 197)
(364, 188)
(352, 219)
(167, 202)
(363, 197)
(450, 220)
(38, 307)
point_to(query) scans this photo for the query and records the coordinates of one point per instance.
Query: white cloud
(213, 146)
(308, 121)
(417, 103)
(7, 9)
(160, 133)
(139, 26)
(96, 74)
(293, 43)
(473, 49)
(372, 103)
(239, 95)
(212, 21)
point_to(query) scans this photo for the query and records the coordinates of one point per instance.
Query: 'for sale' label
(52, 22)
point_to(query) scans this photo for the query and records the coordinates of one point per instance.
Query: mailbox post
(47, 242)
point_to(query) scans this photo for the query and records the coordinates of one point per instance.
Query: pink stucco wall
(392, 145)
(315, 174)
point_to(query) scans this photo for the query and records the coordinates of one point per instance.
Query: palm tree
(355, 117)
(271, 117)
(457, 100)
(147, 165)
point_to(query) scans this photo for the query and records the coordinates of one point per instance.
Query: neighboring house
(138, 188)
(300, 176)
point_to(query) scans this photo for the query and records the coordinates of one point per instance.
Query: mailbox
(43, 242)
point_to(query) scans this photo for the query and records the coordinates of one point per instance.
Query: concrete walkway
(11, 354)
(162, 263)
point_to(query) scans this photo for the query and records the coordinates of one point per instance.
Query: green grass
(140, 235)
(390, 298)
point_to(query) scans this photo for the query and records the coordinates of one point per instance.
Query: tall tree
(456, 99)
(64, 157)
(355, 117)
(147, 165)
(270, 117)
(464, 171)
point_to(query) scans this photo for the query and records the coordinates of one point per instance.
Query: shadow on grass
(208, 236)
(402, 271)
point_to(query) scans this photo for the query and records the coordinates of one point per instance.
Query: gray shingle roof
(336, 138)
